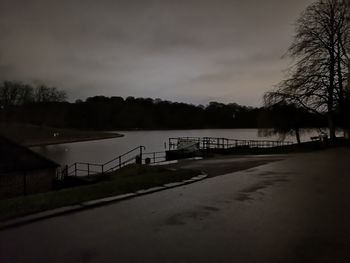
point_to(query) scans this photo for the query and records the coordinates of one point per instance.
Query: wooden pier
(225, 143)
(185, 147)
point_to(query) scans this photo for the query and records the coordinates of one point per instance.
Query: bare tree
(14, 93)
(316, 81)
(44, 93)
(347, 89)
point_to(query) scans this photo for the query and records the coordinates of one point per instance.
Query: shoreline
(73, 140)
(33, 135)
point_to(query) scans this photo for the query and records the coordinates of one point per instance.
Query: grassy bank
(31, 135)
(129, 179)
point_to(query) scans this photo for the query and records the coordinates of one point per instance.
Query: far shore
(32, 135)
(71, 140)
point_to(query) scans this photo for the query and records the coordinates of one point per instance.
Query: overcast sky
(182, 50)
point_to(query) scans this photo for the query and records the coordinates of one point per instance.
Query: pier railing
(225, 143)
(153, 157)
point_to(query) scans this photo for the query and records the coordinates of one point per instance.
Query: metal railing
(154, 157)
(225, 143)
(137, 155)
(82, 169)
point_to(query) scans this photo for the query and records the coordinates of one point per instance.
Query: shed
(23, 171)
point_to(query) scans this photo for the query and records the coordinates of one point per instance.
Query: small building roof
(14, 157)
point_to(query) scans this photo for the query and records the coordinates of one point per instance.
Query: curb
(94, 203)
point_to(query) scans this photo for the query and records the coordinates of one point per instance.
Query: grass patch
(128, 179)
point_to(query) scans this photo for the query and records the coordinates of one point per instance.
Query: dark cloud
(187, 50)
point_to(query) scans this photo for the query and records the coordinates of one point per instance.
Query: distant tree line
(49, 108)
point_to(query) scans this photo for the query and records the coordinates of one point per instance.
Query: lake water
(100, 151)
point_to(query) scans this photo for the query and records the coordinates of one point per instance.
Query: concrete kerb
(94, 203)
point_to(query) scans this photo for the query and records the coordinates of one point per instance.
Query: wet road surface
(293, 210)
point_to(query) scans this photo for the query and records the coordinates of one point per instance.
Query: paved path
(295, 210)
(227, 164)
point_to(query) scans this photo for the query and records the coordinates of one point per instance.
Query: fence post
(154, 157)
(75, 169)
(65, 172)
(24, 183)
(141, 154)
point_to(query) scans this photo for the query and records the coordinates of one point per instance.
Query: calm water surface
(101, 151)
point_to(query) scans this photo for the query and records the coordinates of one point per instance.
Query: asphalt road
(294, 210)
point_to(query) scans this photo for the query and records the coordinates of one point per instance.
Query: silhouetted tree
(43, 93)
(347, 89)
(14, 93)
(284, 119)
(316, 81)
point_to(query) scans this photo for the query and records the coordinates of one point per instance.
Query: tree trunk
(341, 92)
(331, 126)
(297, 135)
(332, 72)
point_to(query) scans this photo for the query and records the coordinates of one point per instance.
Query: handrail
(138, 147)
(77, 166)
(122, 164)
(154, 156)
(91, 164)
(153, 152)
